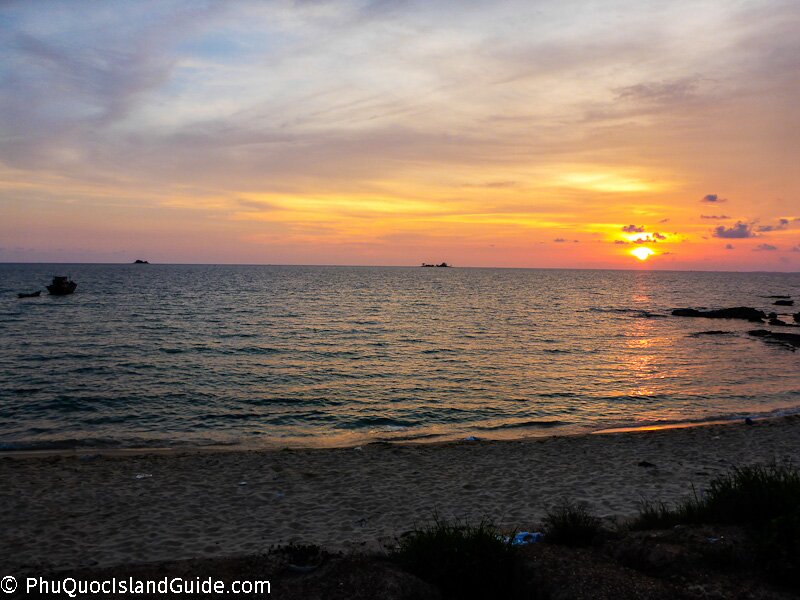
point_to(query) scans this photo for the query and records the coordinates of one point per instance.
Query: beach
(77, 510)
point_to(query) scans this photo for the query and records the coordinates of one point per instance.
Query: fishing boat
(61, 286)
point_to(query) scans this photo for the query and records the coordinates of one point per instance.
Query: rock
(139, 261)
(796, 317)
(739, 312)
(646, 464)
(778, 322)
(686, 312)
(783, 303)
(712, 332)
(792, 339)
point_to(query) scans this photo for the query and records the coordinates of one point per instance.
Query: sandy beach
(73, 511)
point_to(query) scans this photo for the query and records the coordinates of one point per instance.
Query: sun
(642, 253)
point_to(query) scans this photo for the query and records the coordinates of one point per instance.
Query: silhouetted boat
(35, 294)
(441, 265)
(61, 286)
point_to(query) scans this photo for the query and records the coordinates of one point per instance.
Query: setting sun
(642, 253)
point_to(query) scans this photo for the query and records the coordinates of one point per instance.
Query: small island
(139, 261)
(441, 265)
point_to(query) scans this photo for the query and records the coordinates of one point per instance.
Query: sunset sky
(504, 133)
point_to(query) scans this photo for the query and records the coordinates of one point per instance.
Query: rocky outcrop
(740, 312)
(783, 303)
(778, 322)
(792, 339)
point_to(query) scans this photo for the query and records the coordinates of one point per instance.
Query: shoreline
(422, 440)
(68, 512)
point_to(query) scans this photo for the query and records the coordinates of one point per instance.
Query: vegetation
(752, 494)
(660, 515)
(765, 499)
(462, 560)
(571, 524)
(745, 495)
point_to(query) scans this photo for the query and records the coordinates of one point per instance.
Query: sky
(571, 133)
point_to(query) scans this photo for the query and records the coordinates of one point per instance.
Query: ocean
(274, 356)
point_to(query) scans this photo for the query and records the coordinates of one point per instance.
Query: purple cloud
(728, 246)
(714, 217)
(713, 199)
(782, 224)
(765, 248)
(633, 229)
(738, 231)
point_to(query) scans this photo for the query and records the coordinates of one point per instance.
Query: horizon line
(178, 264)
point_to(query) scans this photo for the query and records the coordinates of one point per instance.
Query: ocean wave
(545, 424)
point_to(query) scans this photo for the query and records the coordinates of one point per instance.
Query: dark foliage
(571, 525)
(462, 560)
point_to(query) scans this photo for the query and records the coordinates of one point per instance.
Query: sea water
(166, 355)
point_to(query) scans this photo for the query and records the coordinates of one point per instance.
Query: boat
(35, 294)
(61, 286)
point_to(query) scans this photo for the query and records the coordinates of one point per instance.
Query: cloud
(765, 248)
(796, 248)
(633, 229)
(559, 240)
(712, 199)
(714, 217)
(660, 92)
(492, 184)
(738, 231)
(664, 221)
(659, 236)
(621, 242)
(782, 224)
(728, 246)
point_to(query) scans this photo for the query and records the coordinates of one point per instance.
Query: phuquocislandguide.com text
(172, 586)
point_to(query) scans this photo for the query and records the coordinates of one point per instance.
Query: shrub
(463, 560)
(744, 495)
(654, 515)
(659, 515)
(765, 499)
(752, 494)
(571, 525)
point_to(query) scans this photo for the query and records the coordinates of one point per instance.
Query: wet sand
(71, 511)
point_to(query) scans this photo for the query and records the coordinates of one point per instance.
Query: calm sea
(154, 355)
